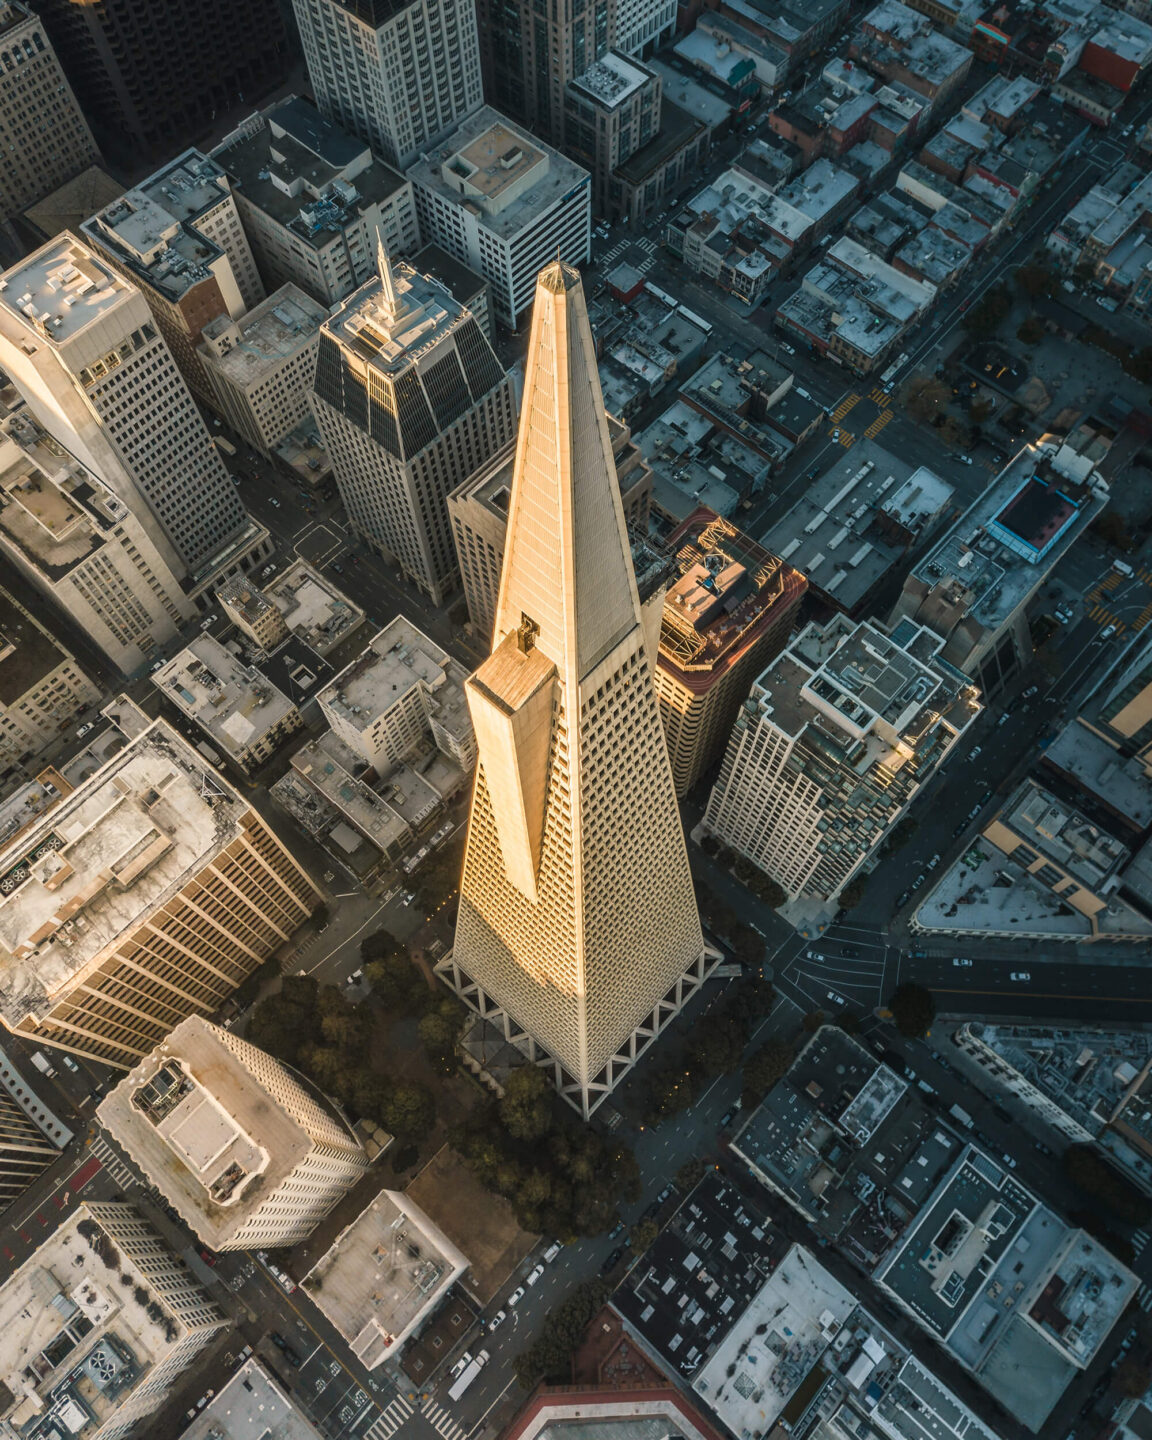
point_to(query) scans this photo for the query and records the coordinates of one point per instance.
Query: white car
(497, 1319)
(815, 955)
(935, 860)
(516, 1296)
(1021, 976)
(1107, 632)
(976, 749)
(70, 1063)
(836, 999)
(536, 1274)
(958, 960)
(85, 729)
(1003, 720)
(1032, 690)
(964, 459)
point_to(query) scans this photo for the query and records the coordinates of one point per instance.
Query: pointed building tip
(558, 276)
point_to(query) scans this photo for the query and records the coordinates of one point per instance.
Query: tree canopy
(913, 1010)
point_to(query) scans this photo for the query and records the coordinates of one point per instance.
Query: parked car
(1021, 976)
(1032, 690)
(498, 1319)
(916, 884)
(461, 1365)
(976, 750)
(961, 962)
(935, 860)
(552, 1251)
(516, 1296)
(1003, 719)
(903, 900)
(617, 1230)
(612, 1261)
(70, 1064)
(356, 977)
(535, 1275)
(85, 729)
(156, 665)
(850, 951)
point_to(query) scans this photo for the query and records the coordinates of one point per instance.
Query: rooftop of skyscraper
(387, 323)
(305, 172)
(251, 1406)
(252, 348)
(52, 509)
(103, 859)
(397, 660)
(78, 1336)
(383, 1274)
(234, 704)
(152, 228)
(61, 289)
(728, 590)
(500, 172)
(214, 1138)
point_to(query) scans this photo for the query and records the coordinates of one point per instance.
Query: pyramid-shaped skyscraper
(578, 933)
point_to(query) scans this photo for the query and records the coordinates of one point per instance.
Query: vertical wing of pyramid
(567, 564)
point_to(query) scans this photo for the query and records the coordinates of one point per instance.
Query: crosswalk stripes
(389, 1420)
(442, 1420)
(1145, 575)
(845, 405)
(645, 243)
(877, 396)
(1139, 1240)
(113, 1163)
(1145, 1297)
(877, 425)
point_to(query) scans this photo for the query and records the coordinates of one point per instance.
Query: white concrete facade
(397, 75)
(66, 532)
(505, 204)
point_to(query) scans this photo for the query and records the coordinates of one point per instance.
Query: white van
(1121, 568)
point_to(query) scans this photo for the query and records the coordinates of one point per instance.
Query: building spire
(388, 302)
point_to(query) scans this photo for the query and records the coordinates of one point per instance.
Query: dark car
(652, 1211)
(903, 900)
(850, 951)
(612, 1261)
(285, 1349)
(617, 1230)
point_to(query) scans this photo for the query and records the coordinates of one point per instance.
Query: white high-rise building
(397, 74)
(505, 204)
(80, 344)
(68, 534)
(245, 1149)
(410, 398)
(578, 931)
(840, 733)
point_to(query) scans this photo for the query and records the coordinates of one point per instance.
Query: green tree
(813, 1021)
(438, 1032)
(643, 1235)
(913, 1010)
(987, 315)
(397, 984)
(853, 892)
(1035, 279)
(283, 1022)
(925, 398)
(690, 1174)
(409, 1111)
(1088, 1170)
(527, 1104)
(1031, 330)
(549, 1357)
(717, 1044)
(762, 1071)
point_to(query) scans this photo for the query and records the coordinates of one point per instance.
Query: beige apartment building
(478, 510)
(298, 601)
(44, 137)
(238, 710)
(98, 1324)
(145, 895)
(42, 688)
(260, 368)
(245, 1149)
(402, 692)
(578, 937)
(178, 237)
(86, 552)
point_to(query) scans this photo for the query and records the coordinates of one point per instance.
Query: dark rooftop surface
(462, 282)
(686, 1292)
(33, 653)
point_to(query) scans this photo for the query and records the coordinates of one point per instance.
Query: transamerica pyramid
(578, 934)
